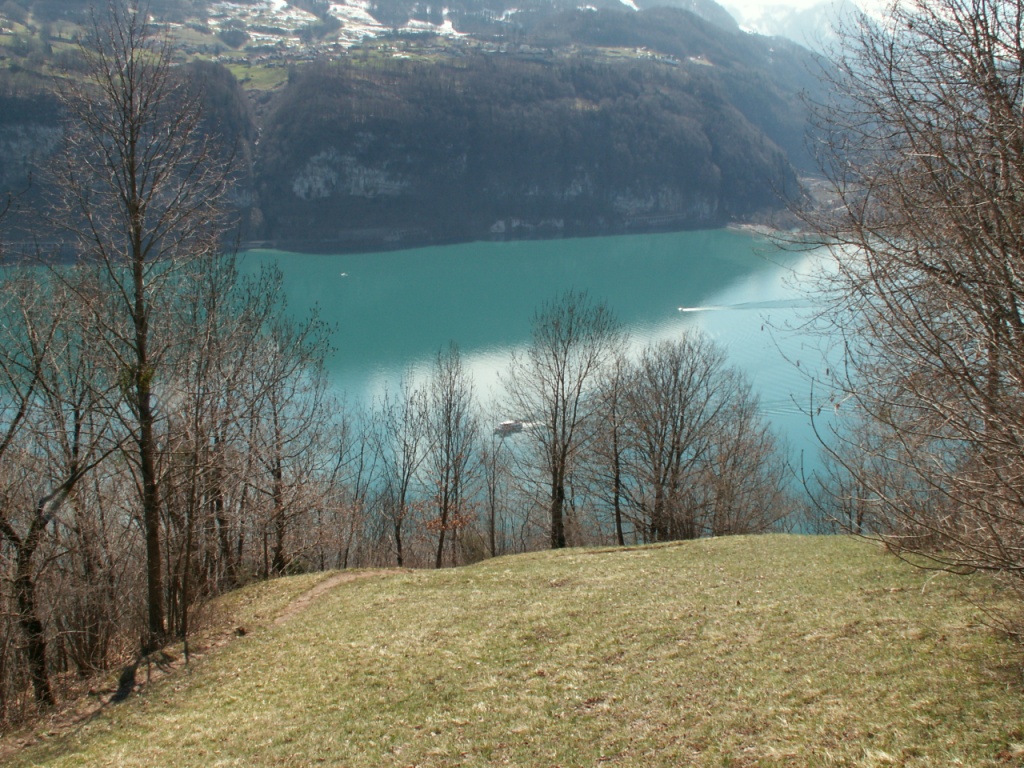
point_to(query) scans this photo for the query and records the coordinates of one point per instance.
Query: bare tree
(606, 466)
(681, 449)
(675, 399)
(553, 383)
(141, 193)
(354, 477)
(927, 169)
(216, 402)
(55, 413)
(495, 467)
(450, 462)
(746, 473)
(286, 414)
(400, 439)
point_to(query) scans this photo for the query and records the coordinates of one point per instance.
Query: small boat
(509, 427)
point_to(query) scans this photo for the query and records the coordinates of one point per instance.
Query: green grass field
(746, 651)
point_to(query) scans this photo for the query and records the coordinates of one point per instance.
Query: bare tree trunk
(439, 554)
(557, 510)
(28, 616)
(617, 489)
(397, 531)
(278, 520)
(223, 527)
(151, 522)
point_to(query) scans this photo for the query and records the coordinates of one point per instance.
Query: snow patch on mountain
(266, 20)
(445, 28)
(265, 13)
(811, 23)
(356, 21)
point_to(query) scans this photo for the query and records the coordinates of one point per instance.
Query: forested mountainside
(563, 122)
(486, 147)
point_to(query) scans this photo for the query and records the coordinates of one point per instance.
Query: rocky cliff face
(589, 122)
(332, 174)
(511, 146)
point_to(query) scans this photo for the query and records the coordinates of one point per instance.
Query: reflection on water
(394, 311)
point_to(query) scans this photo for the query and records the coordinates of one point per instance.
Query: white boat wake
(794, 303)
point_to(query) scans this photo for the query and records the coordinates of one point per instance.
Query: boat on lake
(510, 427)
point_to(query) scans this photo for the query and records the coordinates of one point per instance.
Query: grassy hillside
(774, 650)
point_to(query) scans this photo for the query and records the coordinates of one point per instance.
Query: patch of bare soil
(113, 687)
(303, 601)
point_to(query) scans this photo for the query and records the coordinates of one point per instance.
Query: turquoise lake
(393, 311)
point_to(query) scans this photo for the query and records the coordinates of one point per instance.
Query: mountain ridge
(566, 122)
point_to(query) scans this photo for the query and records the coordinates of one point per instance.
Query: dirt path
(303, 601)
(78, 711)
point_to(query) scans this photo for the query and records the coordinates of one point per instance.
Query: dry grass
(774, 650)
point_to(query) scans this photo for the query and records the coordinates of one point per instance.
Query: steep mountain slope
(538, 120)
(441, 151)
(594, 121)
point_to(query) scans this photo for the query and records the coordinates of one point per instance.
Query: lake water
(393, 311)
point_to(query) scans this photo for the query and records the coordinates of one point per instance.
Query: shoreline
(348, 247)
(17, 251)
